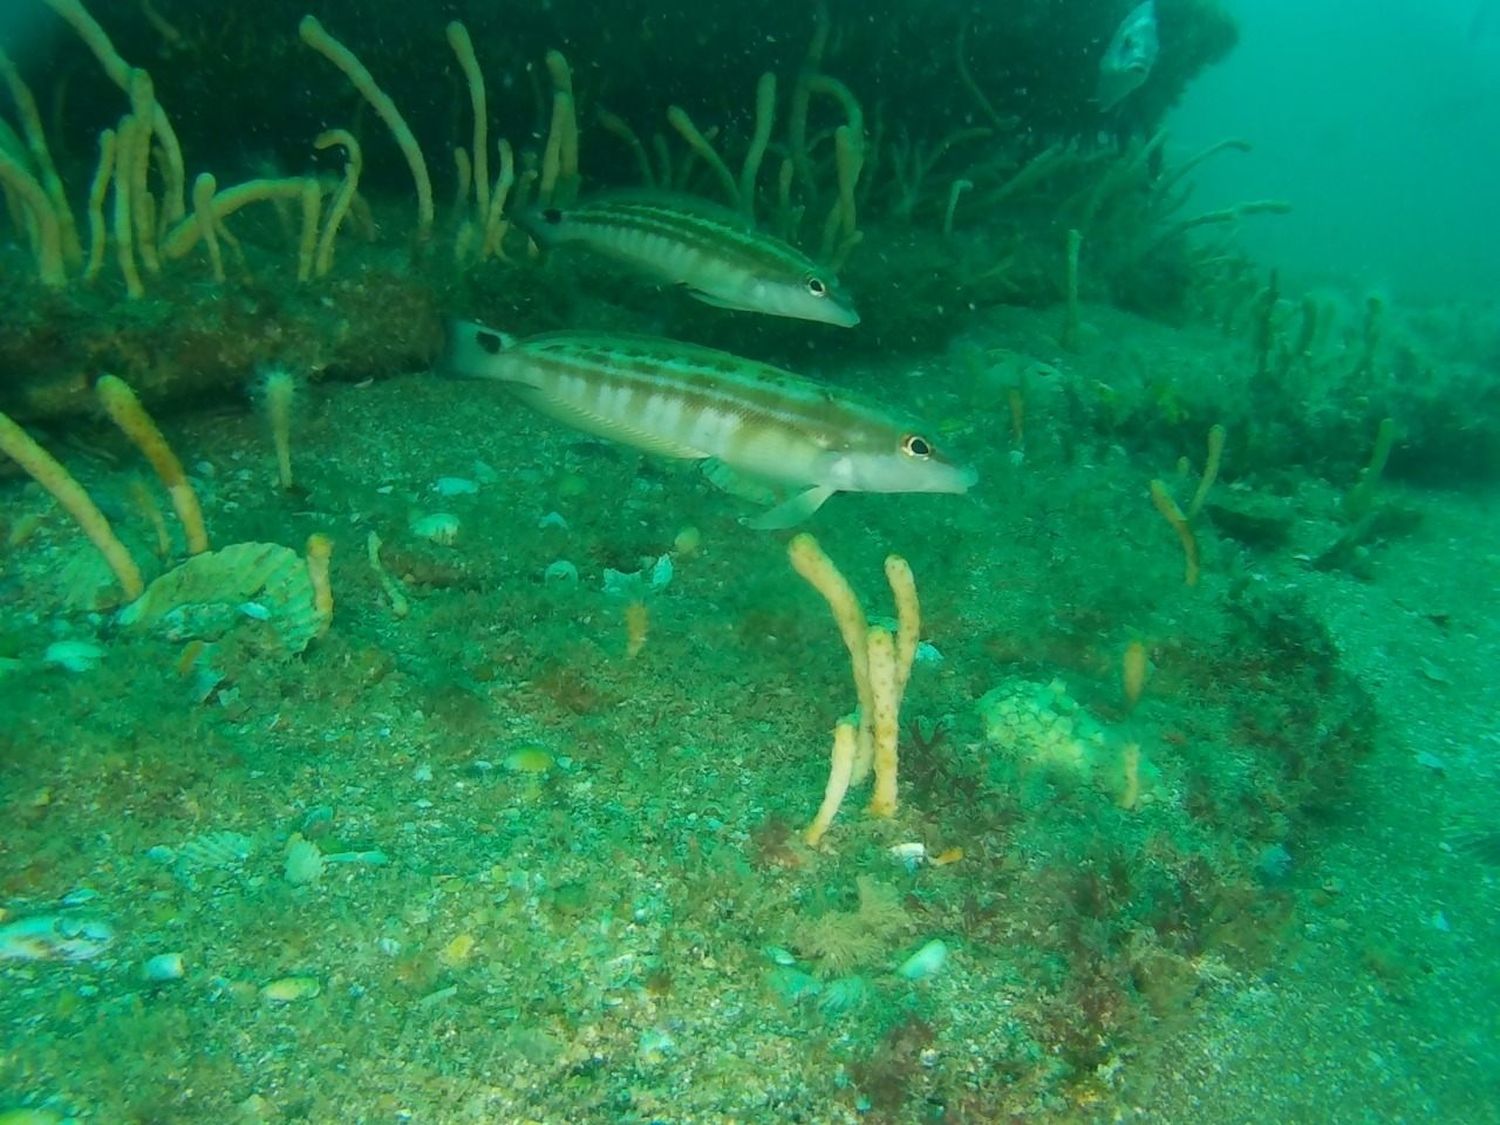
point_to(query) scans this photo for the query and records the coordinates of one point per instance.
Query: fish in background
(758, 424)
(1128, 59)
(717, 254)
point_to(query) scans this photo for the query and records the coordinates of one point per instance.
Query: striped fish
(681, 400)
(716, 253)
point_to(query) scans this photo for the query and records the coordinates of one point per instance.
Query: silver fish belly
(716, 253)
(681, 400)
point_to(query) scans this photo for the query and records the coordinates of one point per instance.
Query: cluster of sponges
(1044, 733)
(881, 663)
(296, 590)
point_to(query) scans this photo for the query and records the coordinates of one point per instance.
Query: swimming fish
(716, 253)
(1128, 59)
(681, 400)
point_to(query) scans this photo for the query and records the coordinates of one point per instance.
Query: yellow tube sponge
(47, 471)
(49, 247)
(463, 47)
(808, 560)
(841, 764)
(314, 35)
(126, 411)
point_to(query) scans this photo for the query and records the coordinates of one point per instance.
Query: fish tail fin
(473, 351)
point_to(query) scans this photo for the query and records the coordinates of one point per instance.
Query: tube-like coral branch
(342, 198)
(1210, 470)
(130, 134)
(47, 471)
(765, 120)
(118, 70)
(559, 182)
(494, 219)
(463, 47)
(1173, 515)
(36, 142)
(316, 37)
(98, 232)
(678, 118)
(142, 202)
(184, 236)
(614, 123)
(49, 247)
(307, 244)
(203, 211)
(841, 763)
(126, 411)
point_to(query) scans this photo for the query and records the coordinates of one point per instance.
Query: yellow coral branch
(126, 411)
(343, 197)
(47, 471)
(316, 37)
(36, 141)
(119, 72)
(49, 249)
(463, 47)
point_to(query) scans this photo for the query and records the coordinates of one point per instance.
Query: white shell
(73, 656)
(163, 967)
(925, 962)
(304, 861)
(910, 854)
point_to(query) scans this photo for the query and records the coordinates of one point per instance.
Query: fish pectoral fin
(716, 301)
(739, 484)
(793, 511)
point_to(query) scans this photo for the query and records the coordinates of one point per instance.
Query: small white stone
(164, 967)
(455, 486)
(925, 962)
(927, 654)
(911, 854)
(661, 573)
(73, 656)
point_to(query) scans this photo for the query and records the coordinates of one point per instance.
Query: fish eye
(915, 445)
(816, 286)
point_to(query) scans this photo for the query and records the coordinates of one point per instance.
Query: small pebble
(289, 989)
(925, 962)
(73, 656)
(163, 967)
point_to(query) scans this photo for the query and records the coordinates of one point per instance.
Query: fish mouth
(840, 316)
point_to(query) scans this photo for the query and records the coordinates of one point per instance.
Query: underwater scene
(823, 562)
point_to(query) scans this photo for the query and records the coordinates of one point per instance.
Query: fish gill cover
(374, 749)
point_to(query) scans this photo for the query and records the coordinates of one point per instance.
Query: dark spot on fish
(490, 342)
(552, 216)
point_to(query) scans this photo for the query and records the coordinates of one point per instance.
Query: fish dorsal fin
(675, 201)
(793, 511)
